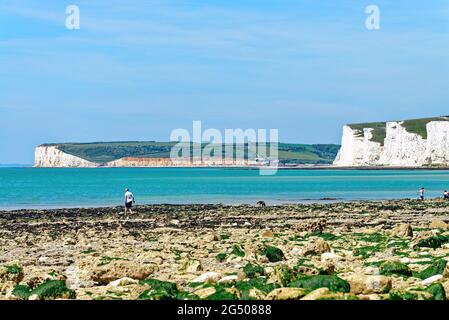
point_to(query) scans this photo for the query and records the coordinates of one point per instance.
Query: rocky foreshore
(358, 250)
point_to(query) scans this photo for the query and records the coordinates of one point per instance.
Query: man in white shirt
(129, 200)
(421, 193)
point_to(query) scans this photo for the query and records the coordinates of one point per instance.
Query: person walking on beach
(129, 200)
(446, 195)
(421, 193)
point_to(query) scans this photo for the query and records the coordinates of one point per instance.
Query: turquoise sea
(53, 187)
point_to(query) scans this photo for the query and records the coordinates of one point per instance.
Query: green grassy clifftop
(101, 152)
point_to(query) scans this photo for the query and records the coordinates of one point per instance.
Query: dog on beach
(261, 203)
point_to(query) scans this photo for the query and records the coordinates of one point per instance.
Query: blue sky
(138, 69)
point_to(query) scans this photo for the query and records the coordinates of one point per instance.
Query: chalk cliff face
(399, 148)
(51, 156)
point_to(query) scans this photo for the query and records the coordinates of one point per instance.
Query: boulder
(368, 284)
(208, 277)
(267, 234)
(229, 279)
(404, 230)
(120, 269)
(192, 266)
(432, 279)
(123, 282)
(438, 224)
(286, 294)
(316, 294)
(315, 246)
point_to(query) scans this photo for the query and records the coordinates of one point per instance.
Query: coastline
(226, 251)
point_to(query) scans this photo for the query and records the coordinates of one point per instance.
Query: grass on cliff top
(102, 152)
(379, 130)
(417, 126)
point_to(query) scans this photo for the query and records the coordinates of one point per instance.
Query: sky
(136, 69)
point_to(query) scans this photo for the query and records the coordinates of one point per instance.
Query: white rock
(123, 282)
(432, 279)
(209, 277)
(405, 260)
(330, 256)
(372, 270)
(228, 279)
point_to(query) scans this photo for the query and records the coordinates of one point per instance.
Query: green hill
(101, 152)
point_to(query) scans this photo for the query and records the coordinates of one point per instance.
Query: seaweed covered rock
(273, 254)
(11, 273)
(432, 292)
(315, 246)
(388, 268)
(432, 242)
(284, 275)
(49, 290)
(286, 294)
(118, 269)
(368, 284)
(253, 270)
(437, 267)
(159, 290)
(332, 282)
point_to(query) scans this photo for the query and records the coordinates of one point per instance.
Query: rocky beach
(368, 250)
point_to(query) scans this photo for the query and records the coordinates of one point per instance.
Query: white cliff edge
(400, 148)
(51, 156)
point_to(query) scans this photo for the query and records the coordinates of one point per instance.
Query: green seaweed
(394, 267)
(50, 289)
(13, 269)
(159, 290)
(332, 282)
(437, 291)
(437, 267)
(221, 256)
(253, 270)
(273, 254)
(432, 242)
(238, 251)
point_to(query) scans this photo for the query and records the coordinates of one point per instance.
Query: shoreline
(299, 167)
(227, 252)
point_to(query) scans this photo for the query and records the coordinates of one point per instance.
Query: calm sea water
(52, 187)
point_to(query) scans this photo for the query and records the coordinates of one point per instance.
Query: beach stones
(315, 246)
(120, 269)
(286, 294)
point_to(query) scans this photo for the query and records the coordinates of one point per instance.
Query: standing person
(446, 195)
(129, 200)
(421, 193)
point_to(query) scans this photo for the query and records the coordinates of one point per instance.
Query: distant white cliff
(51, 156)
(394, 145)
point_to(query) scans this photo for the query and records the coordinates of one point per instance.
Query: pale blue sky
(138, 69)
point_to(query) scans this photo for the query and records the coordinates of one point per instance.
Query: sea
(42, 188)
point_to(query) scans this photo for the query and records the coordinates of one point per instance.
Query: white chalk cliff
(399, 148)
(51, 156)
